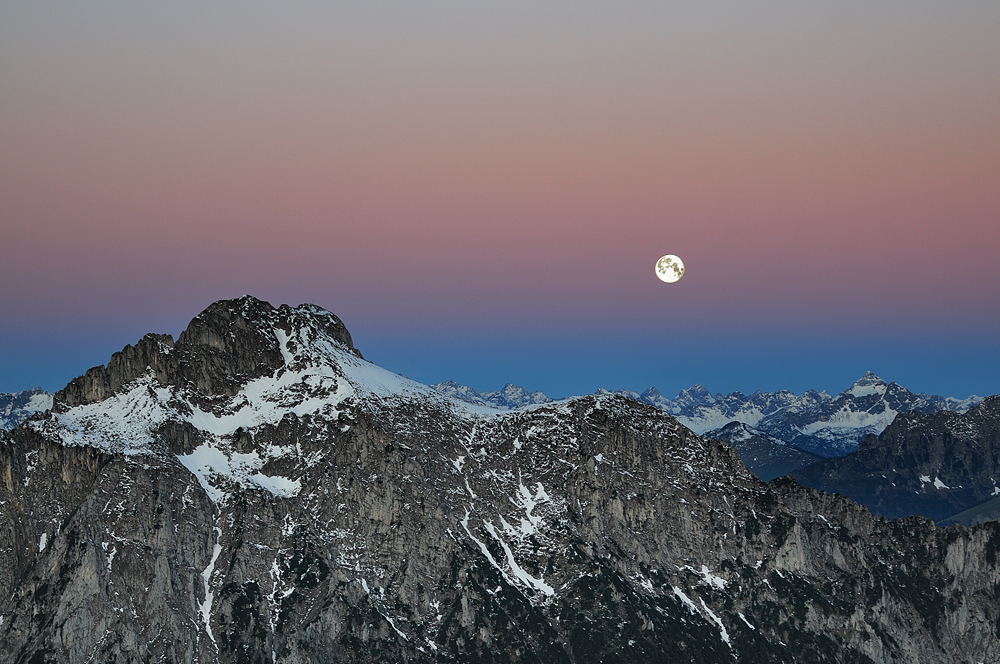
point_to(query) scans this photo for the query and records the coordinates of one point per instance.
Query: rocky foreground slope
(257, 492)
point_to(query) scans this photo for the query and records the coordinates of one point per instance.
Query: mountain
(507, 398)
(256, 491)
(937, 465)
(836, 426)
(698, 410)
(766, 456)
(813, 422)
(18, 406)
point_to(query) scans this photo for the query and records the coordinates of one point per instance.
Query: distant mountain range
(767, 456)
(507, 398)
(814, 422)
(16, 407)
(256, 491)
(938, 465)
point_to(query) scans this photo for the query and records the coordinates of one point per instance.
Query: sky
(481, 190)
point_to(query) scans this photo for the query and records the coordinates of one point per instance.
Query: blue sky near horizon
(573, 363)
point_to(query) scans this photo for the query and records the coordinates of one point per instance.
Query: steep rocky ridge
(317, 508)
(935, 464)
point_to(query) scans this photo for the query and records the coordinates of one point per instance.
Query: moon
(670, 268)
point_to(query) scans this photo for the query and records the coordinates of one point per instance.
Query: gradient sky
(481, 192)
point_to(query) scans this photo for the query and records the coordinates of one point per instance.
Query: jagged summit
(868, 384)
(509, 397)
(651, 393)
(257, 491)
(240, 364)
(696, 395)
(224, 347)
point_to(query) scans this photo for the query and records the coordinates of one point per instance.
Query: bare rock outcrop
(290, 502)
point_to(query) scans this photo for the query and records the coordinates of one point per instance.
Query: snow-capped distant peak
(867, 385)
(509, 397)
(16, 407)
(696, 394)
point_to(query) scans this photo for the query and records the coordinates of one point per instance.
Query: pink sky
(435, 166)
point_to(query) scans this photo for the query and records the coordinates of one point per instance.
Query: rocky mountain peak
(694, 395)
(734, 431)
(514, 396)
(227, 345)
(868, 384)
(651, 394)
(330, 510)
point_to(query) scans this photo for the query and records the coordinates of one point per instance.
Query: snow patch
(711, 579)
(213, 466)
(516, 570)
(867, 390)
(205, 608)
(722, 628)
(685, 600)
(847, 421)
(526, 501)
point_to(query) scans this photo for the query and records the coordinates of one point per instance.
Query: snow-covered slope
(16, 407)
(317, 374)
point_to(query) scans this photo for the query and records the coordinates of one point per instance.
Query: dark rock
(336, 512)
(766, 456)
(936, 465)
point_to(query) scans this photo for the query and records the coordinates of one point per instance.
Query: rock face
(936, 465)
(766, 456)
(18, 406)
(257, 492)
(225, 346)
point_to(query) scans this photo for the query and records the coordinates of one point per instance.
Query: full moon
(670, 268)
